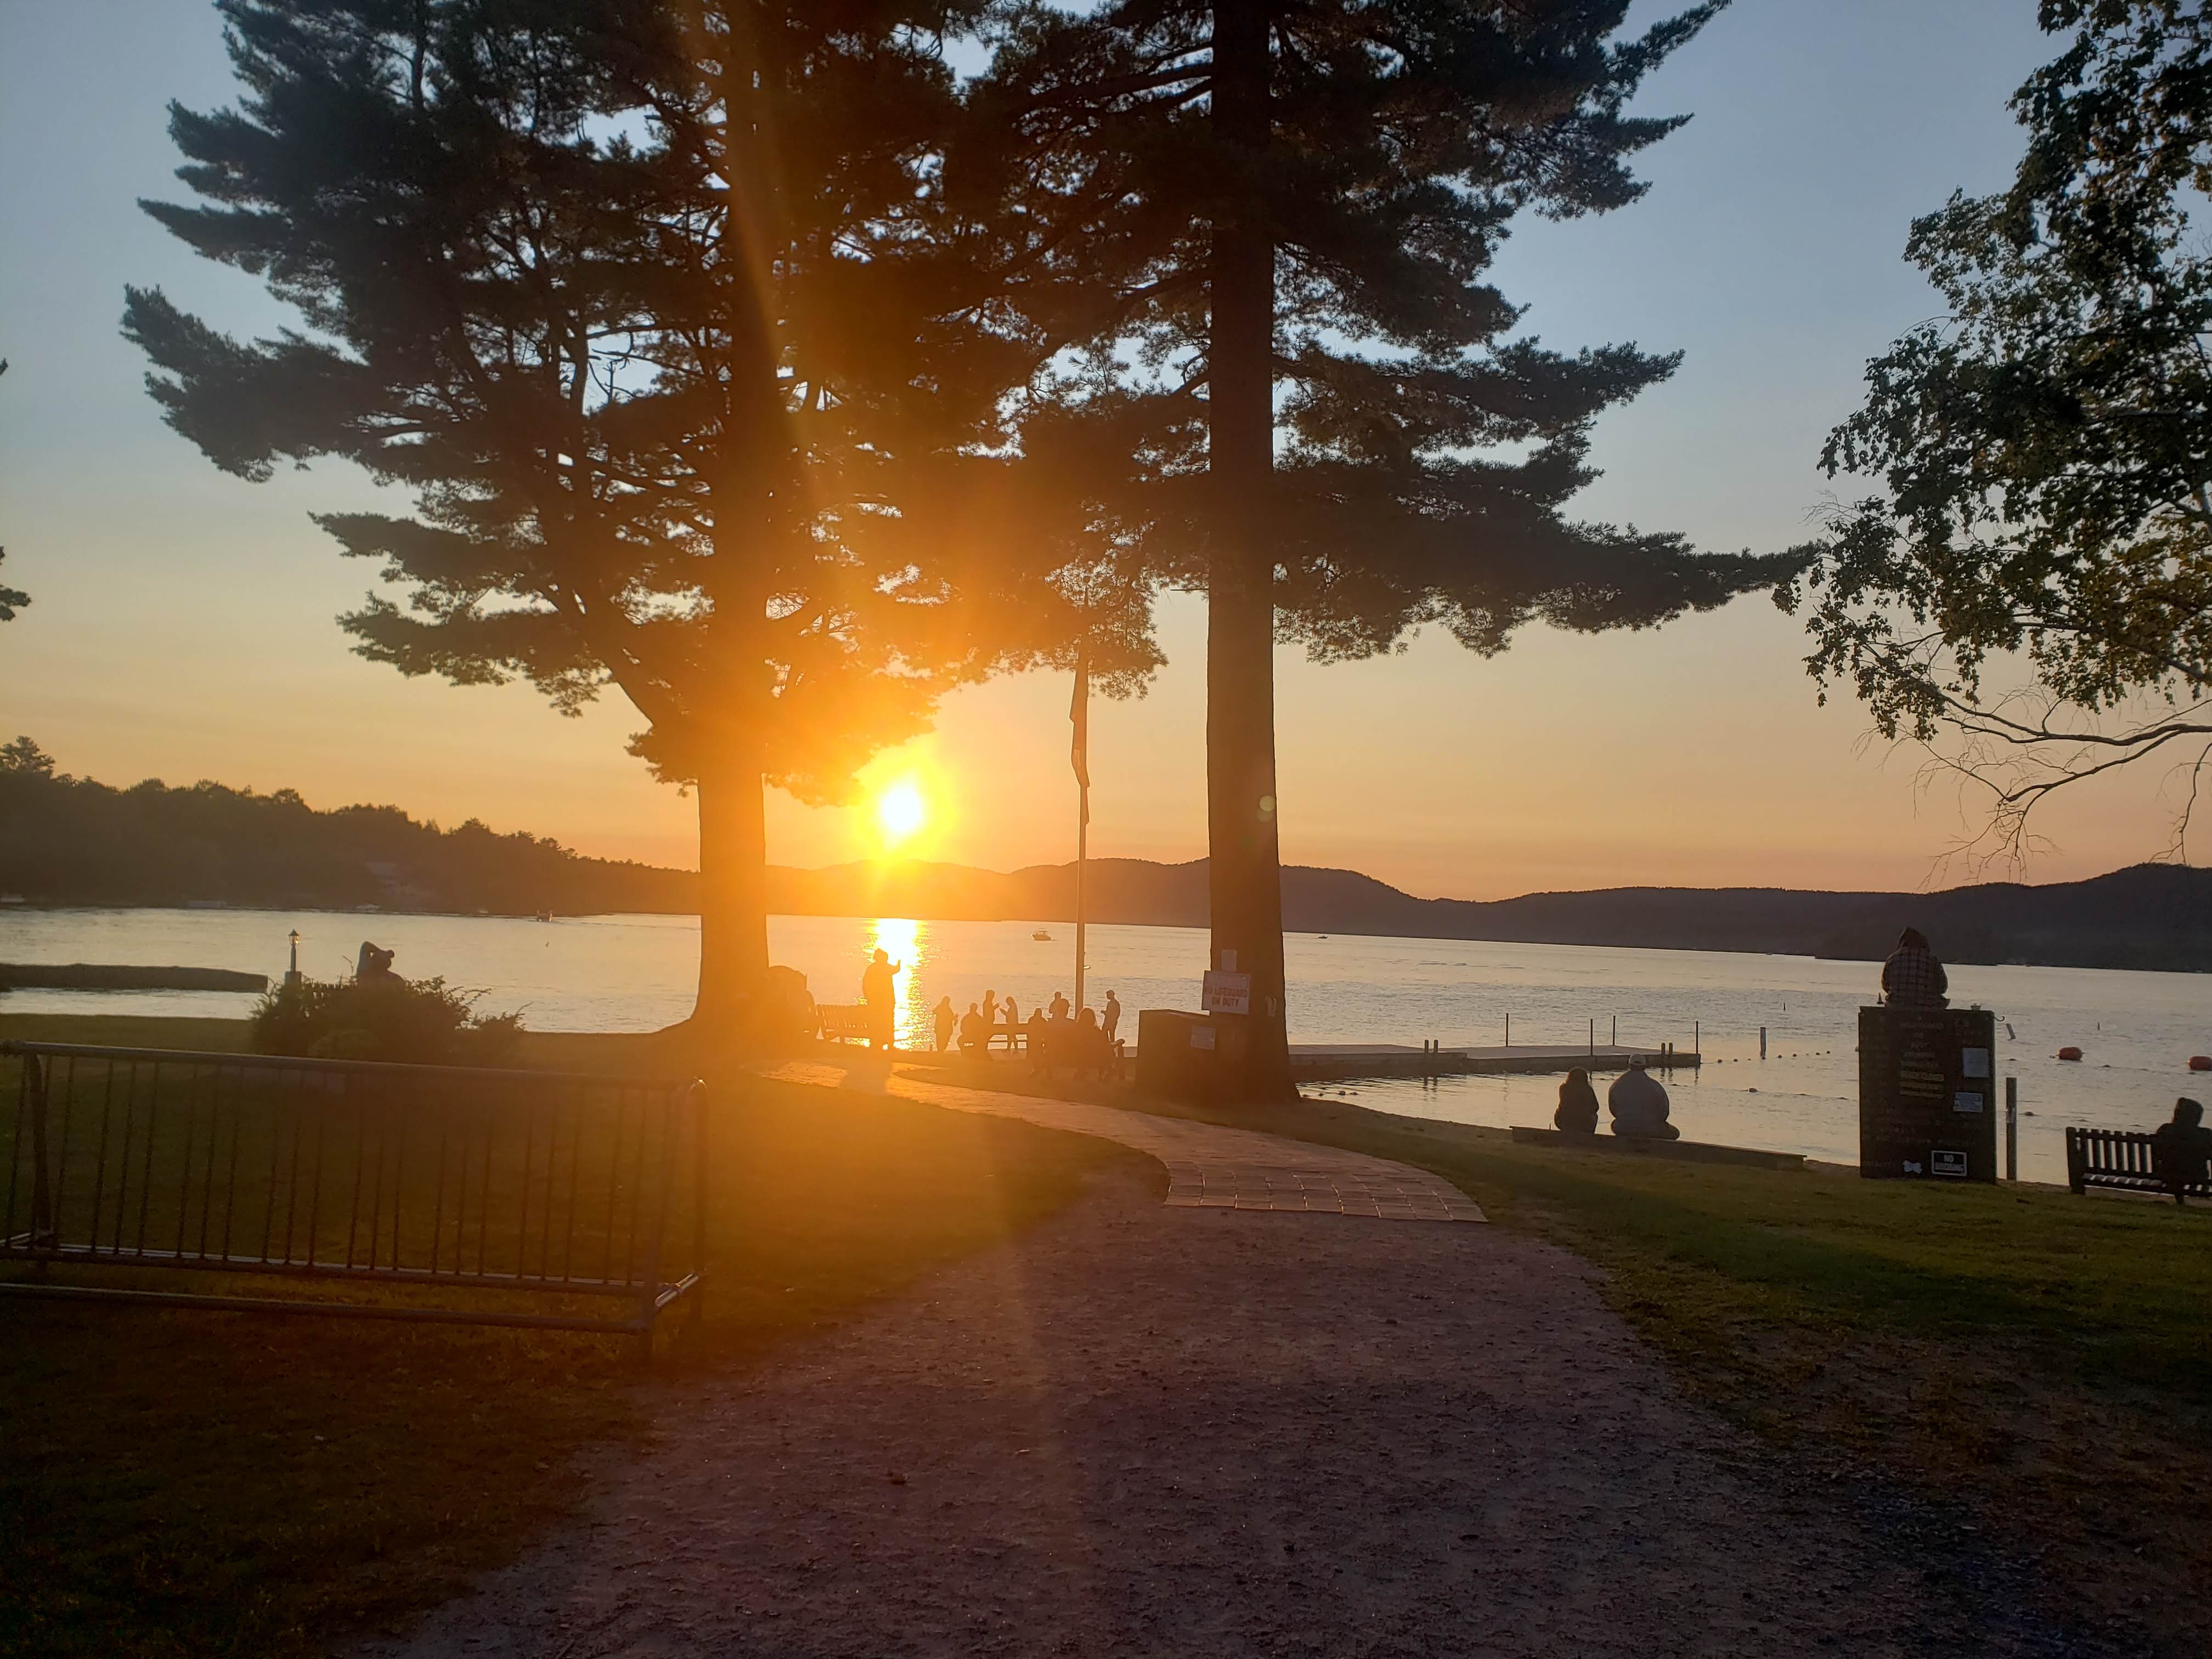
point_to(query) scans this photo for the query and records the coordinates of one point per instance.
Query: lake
(635, 973)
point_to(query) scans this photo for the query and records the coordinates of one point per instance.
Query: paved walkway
(1208, 1167)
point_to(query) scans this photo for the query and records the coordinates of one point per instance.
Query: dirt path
(1149, 1431)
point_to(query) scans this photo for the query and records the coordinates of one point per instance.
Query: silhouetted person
(946, 1019)
(1638, 1102)
(1013, 1022)
(2179, 1149)
(373, 963)
(1093, 1052)
(1113, 1015)
(1912, 978)
(1060, 1006)
(878, 988)
(1578, 1111)
(990, 1009)
(974, 1034)
(1036, 1038)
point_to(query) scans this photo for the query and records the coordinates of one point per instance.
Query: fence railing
(452, 1184)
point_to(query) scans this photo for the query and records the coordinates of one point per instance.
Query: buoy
(2200, 1063)
(2069, 1053)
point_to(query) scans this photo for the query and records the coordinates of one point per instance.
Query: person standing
(990, 1009)
(879, 990)
(1113, 1015)
(1912, 978)
(946, 1019)
(1013, 1022)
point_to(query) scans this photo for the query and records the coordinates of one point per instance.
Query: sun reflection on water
(907, 943)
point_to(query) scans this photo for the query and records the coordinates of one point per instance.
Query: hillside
(71, 841)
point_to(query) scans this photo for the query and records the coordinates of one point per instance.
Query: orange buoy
(2200, 1063)
(2069, 1053)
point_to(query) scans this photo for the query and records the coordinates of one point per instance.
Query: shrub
(421, 1022)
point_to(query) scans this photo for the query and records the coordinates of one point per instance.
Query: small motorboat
(1041, 937)
(2070, 1052)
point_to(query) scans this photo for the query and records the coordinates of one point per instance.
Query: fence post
(42, 1197)
(697, 1094)
(1762, 1042)
(2012, 1128)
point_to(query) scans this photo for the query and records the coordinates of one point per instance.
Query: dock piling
(2012, 1128)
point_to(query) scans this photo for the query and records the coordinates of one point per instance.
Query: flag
(1079, 714)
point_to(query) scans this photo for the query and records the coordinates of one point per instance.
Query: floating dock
(1326, 1062)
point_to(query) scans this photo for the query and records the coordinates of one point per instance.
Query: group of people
(1058, 1034)
(1637, 1100)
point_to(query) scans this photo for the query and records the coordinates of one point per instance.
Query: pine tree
(1270, 224)
(659, 313)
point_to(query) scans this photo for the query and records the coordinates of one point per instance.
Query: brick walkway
(1208, 1167)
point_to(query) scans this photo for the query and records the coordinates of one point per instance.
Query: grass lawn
(2041, 1360)
(181, 1482)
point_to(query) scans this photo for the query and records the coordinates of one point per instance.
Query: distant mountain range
(2151, 916)
(71, 841)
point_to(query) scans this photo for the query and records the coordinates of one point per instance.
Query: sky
(184, 622)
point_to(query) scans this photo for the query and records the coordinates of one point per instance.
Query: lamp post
(292, 973)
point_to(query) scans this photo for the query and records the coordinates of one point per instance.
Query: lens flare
(901, 811)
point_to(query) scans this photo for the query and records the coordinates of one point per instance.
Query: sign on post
(1226, 993)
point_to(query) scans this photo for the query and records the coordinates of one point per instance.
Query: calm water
(635, 973)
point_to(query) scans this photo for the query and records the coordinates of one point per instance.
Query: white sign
(1974, 1062)
(1967, 1101)
(1201, 1036)
(1227, 993)
(1949, 1164)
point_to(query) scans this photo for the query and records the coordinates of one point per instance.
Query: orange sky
(183, 625)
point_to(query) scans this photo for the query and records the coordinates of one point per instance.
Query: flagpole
(1079, 714)
(1082, 857)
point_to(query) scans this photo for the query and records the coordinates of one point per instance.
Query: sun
(901, 811)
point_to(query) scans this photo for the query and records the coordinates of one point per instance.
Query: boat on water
(1041, 937)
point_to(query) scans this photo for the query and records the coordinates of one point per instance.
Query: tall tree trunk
(733, 898)
(1244, 870)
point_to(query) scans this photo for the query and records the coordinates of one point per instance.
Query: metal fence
(456, 1185)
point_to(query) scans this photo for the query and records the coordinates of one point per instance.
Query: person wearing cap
(1639, 1105)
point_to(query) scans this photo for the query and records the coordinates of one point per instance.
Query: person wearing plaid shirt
(1912, 978)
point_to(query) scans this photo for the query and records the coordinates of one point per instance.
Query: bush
(421, 1022)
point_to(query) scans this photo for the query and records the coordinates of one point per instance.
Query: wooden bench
(2119, 1159)
(844, 1024)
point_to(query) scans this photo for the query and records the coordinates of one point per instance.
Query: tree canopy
(660, 312)
(2031, 592)
(1266, 237)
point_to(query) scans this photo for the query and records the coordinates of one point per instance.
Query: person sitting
(2180, 1149)
(1912, 978)
(974, 1034)
(373, 965)
(1060, 1006)
(1638, 1102)
(1036, 1038)
(1577, 1110)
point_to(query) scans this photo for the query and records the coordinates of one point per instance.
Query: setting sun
(901, 811)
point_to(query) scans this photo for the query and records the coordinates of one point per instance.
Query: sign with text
(1227, 993)
(1924, 1093)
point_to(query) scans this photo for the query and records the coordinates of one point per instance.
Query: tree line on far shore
(67, 840)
